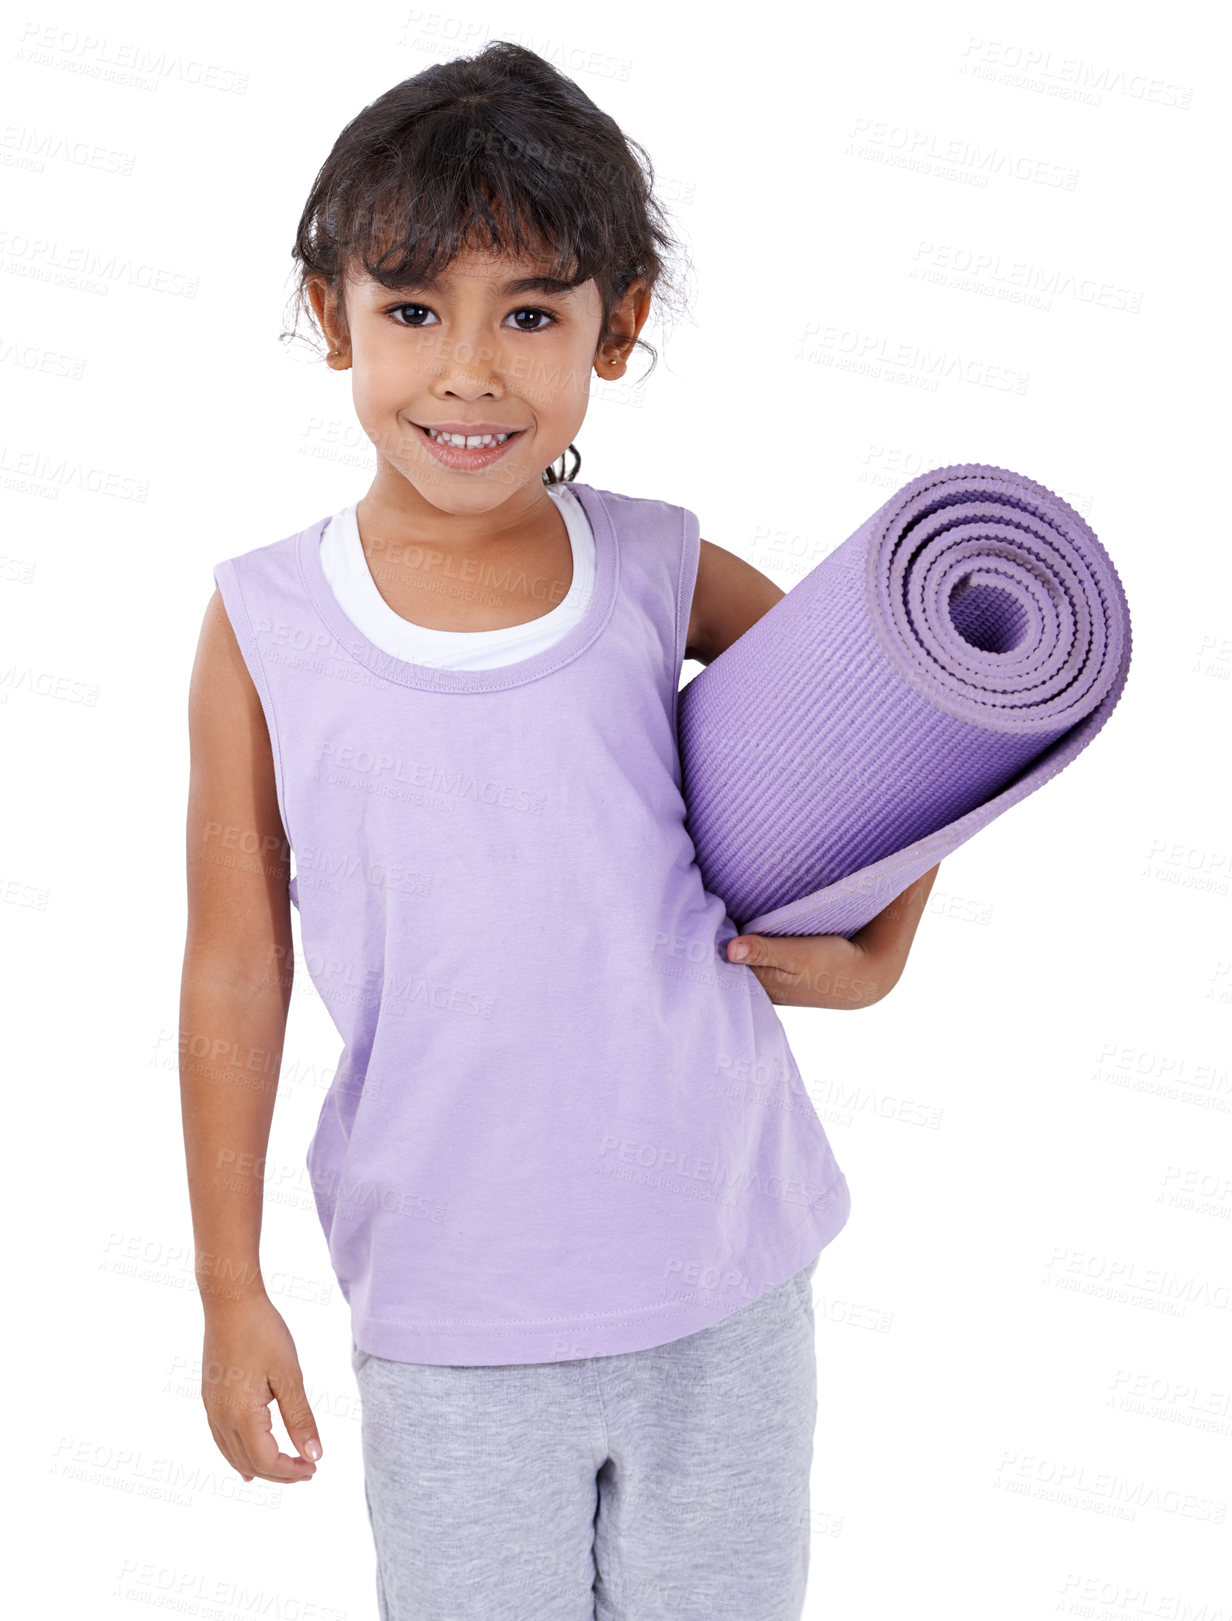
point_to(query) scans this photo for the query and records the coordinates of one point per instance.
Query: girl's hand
(249, 1360)
(824, 970)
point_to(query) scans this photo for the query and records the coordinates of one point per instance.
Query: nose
(470, 367)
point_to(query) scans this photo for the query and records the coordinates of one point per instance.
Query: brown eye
(547, 314)
(423, 308)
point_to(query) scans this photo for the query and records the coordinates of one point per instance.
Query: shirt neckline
(364, 605)
(435, 678)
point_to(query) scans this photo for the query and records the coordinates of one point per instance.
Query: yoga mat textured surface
(945, 661)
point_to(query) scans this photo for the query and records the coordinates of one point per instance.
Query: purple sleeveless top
(562, 1124)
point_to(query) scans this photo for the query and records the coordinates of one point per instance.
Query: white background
(1025, 1382)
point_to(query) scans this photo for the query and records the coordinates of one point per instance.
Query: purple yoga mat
(953, 654)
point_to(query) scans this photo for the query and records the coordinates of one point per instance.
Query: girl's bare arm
(729, 596)
(234, 998)
(236, 984)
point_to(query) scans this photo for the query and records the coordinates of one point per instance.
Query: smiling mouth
(488, 441)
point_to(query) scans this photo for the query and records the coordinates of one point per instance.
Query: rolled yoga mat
(942, 663)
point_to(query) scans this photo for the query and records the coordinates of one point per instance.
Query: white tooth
(473, 442)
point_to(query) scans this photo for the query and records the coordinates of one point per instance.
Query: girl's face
(491, 346)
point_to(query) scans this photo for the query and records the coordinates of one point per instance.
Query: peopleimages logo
(129, 62)
(426, 774)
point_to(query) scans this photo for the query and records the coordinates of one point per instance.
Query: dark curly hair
(496, 151)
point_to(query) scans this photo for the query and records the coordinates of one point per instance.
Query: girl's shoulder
(638, 505)
(272, 551)
(645, 524)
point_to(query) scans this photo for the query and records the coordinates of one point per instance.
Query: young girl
(571, 1181)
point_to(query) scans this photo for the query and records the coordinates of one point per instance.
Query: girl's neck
(468, 571)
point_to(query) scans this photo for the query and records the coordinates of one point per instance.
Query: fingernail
(738, 953)
(313, 1450)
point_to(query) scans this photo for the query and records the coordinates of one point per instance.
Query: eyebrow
(521, 284)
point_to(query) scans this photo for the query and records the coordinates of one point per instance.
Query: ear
(327, 307)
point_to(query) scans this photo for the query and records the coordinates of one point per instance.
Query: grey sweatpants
(668, 1484)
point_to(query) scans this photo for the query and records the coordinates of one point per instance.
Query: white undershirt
(346, 569)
